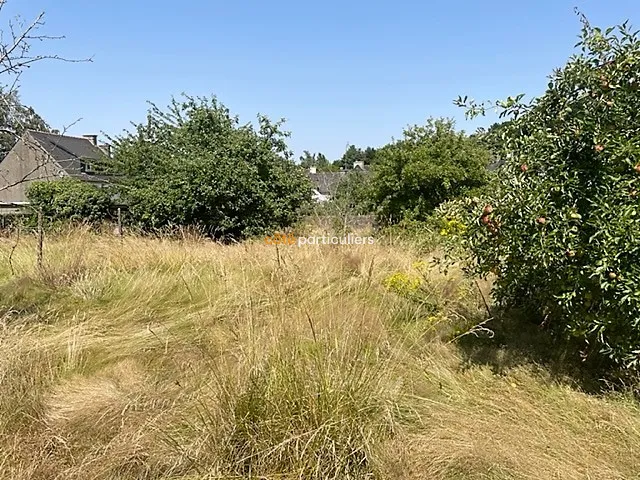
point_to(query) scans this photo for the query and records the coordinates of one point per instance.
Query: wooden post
(119, 222)
(40, 237)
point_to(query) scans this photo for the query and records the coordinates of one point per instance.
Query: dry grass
(145, 359)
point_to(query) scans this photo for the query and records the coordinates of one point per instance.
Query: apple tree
(561, 227)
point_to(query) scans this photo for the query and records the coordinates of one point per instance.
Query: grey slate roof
(326, 182)
(71, 153)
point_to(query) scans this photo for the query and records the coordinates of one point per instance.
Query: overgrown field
(145, 359)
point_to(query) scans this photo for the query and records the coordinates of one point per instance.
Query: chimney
(359, 164)
(92, 138)
(106, 148)
(313, 169)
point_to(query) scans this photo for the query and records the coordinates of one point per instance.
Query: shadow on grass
(519, 340)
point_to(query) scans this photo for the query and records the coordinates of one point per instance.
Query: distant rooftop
(71, 153)
(326, 183)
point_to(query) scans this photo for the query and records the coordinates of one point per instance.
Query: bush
(71, 200)
(349, 208)
(431, 164)
(353, 194)
(561, 230)
(194, 165)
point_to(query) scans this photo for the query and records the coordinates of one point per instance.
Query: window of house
(87, 167)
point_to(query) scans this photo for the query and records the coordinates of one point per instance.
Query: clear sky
(339, 71)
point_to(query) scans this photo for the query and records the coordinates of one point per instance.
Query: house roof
(326, 183)
(71, 153)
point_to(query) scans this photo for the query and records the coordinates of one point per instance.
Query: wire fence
(19, 218)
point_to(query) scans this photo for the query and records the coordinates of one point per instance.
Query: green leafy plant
(317, 160)
(71, 200)
(561, 226)
(195, 165)
(350, 207)
(431, 164)
(16, 118)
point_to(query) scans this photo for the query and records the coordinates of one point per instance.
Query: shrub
(561, 229)
(350, 206)
(353, 194)
(403, 284)
(194, 165)
(71, 200)
(431, 164)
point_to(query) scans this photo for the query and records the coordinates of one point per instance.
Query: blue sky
(353, 72)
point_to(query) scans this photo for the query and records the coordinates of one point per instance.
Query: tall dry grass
(145, 359)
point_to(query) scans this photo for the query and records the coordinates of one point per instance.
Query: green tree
(561, 228)
(15, 118)
(307, 159)
(352, 154)
(369, 156)
(431, 164)
(322, 164)
(194, 164)
(353, 193)
(351, 199)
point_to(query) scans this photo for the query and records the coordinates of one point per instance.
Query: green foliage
(318, 160)
(403, 284)
(353, 193)
(561, 229)
(350, 202)
(431, 164)
(492, 140)
(419, 236)
(369, 156)
(354, 154)
(194, 164)
(71, 200)
(15, 118)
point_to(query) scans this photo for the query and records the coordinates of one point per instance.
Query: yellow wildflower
(402, 283)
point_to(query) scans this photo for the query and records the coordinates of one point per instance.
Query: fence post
(119, 222)
(40, 238)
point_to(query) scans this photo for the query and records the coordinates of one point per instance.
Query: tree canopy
(195, 164)
(318, 160)
(71, 199)
(430, 164)
(561, 226)
(15, 118)
(355, 154)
